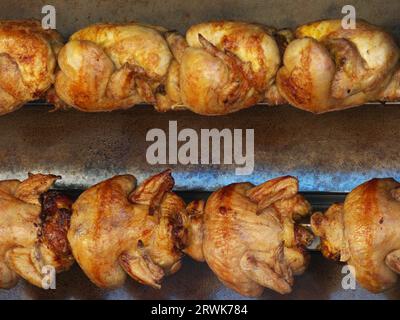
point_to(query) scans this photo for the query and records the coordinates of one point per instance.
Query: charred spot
(140, 244)
(222, 210)
(55, 219)
(381, 220)
(178, 231)
(152, 210)
(303, 237)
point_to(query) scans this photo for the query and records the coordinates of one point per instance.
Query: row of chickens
(248, 235)
(218, 68)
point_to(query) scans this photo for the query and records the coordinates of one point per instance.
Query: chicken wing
(117, 228)
(364, 233)
(33, 230)
(27, 62)
(330, 68)
(249, 236)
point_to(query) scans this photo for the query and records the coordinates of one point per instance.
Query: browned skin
(329, 68)
(195, 211)
(33, 227)
(364, 232)
(106, 67)
(249, 235)
(27, 62)
(117, 228)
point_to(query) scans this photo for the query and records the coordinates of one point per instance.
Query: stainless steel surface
(330, 152)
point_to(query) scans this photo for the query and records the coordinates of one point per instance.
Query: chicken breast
(117, 228)
(364, 233)
(28, 56)
(249, 236)
(33, 230)
(105, 67)
(330, 68)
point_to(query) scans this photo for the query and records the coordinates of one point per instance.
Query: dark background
(331, 152)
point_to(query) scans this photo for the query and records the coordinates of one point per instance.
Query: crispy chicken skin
(364, 233)
(105, 67)
(330, 68)
(249, 236)
(117, 228)
(225, 66)
(33, 227)
(27, 62)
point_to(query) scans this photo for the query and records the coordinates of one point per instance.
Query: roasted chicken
(117, 228)
(28, 56)
(330, 68)
(33, 230)
(218, 68)
(248, 235)
(392, 91)
(106, 67)
(225, 66)
(364, 233)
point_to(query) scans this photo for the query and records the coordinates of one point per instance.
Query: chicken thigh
(28, 56)
(364, 233)
(330, 68)
(117, 228)
(249, 235)
(33, 230)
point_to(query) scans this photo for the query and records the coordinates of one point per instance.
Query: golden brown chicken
(392, 91)
(106, 67)
(330, 68)
(224, 66)
(33, 230)
(27, 62)
(117, 228)
(249, 237)
(364, 233)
